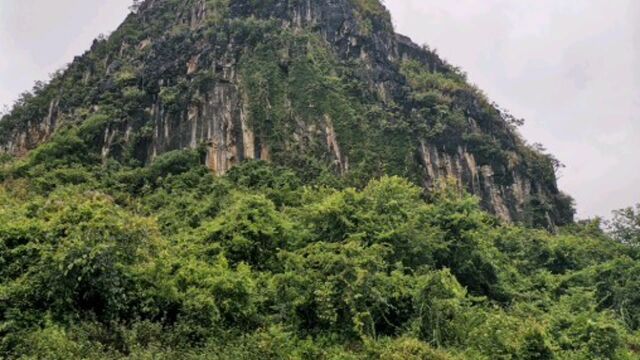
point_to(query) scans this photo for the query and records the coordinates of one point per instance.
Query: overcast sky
(570, 68)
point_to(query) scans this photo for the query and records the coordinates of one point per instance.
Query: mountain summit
(273, 179)
(326, 88)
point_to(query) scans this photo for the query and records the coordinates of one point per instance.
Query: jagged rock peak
(322, 87)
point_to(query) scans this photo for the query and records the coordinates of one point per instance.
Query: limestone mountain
(324, 87)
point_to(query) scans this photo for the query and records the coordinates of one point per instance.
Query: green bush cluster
(168, 261)
(101, 257)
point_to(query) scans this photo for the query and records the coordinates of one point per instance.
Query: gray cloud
(37, 37)
(571, 68)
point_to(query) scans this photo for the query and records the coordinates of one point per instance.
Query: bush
(91, 260)
(250, 230)
(279, 184)
(443, 309)
(64, 149)
(341, 288)
(407, 349)
(210, 297)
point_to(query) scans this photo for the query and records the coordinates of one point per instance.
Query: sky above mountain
(571, 69)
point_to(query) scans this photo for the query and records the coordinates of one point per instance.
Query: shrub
(250, 230)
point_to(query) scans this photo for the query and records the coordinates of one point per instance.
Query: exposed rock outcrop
(188, 60)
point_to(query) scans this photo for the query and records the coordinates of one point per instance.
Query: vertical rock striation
(183, 67)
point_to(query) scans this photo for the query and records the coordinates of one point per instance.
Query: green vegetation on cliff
(118, 242)
(326, 89)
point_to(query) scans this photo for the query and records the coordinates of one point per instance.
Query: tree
(135, 6)
(4, 110)
(341, 288)
(250, 230)
(625, 226)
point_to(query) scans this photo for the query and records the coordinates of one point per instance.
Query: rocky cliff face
(319, 86)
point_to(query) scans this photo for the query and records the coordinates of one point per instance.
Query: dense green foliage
(625, 225)
(168, 261)
(108, 254)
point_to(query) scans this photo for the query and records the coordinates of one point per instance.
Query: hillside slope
(324, 87)
(214, 181)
